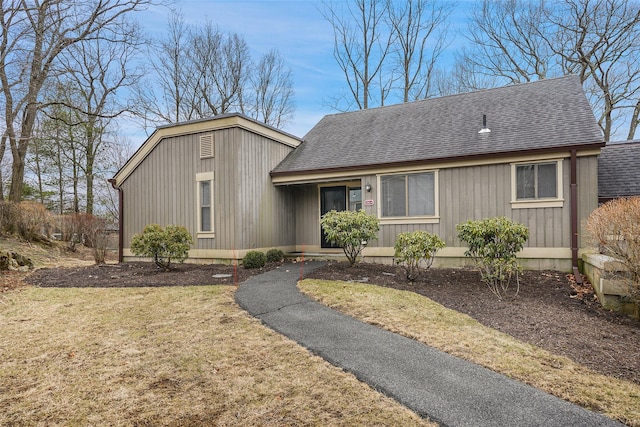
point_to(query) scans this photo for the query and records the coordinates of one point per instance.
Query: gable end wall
(249, 211)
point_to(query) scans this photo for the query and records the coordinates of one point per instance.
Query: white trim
(410, 220)
(556, 202)
(203, 177)
(458, 252)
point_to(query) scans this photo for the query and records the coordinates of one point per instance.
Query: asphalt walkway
(446, 389)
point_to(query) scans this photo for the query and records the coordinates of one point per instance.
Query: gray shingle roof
(538, 115)
(619, 170)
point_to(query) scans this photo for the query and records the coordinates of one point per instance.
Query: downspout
(112, 181)
(574, 216)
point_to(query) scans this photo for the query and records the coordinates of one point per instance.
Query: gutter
(574, 216)
(112, 181)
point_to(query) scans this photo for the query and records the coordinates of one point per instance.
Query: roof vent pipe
(484, 129)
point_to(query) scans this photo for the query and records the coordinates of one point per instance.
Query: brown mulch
(551, 311)
(141, 274)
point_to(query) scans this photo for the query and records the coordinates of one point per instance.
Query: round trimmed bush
(275, 255)
(254, 259)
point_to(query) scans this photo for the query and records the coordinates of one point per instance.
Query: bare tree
(271, 91)
(117, 155)
(97, 71)
(221, 64)
(515, 41)
(202, 72)
(362, 42)
(168, 94)
(509, 41)
(600, 41)
(420, 36)
(34, 34)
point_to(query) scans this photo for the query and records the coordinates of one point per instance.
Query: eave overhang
(345, 172)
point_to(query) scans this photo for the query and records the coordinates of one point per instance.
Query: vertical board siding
(307, 213)
(471, 193)
(249, 211)
(588, 195)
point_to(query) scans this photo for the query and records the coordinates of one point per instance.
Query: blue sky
(296, 28)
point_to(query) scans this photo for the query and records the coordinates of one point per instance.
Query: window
(204, 201)
(408, 195)
(205, 206)
(355, 198)
(537, 184)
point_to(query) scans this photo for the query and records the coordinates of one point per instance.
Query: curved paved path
(448, 390)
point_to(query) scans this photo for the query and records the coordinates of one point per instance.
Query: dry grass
(421, 319)
(166, 356)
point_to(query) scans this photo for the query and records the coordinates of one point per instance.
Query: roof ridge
(472, 92)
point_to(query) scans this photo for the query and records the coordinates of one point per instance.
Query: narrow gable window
(537, 184)
(207, 148)
(204, 204)
(408, 195)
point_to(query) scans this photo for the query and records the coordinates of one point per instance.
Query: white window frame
(203, 177)
(422, 219)
(552, 202)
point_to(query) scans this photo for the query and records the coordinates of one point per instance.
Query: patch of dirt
(551, 311)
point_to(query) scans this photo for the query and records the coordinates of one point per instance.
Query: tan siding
(485, 191)
(307, 215)
(588, 191)
(248, 210)
(466, 193)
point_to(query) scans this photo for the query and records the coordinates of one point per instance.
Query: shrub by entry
(493, 244)
(254, 259)
(351, 230)
(162, 244)
(413, 249)
(275, 255)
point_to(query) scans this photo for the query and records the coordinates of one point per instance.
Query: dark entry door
(331, 198)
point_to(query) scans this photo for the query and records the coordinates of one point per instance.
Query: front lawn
(180, 356)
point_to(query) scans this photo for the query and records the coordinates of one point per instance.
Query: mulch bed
(551, 311)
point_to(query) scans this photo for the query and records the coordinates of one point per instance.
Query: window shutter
(206, 146)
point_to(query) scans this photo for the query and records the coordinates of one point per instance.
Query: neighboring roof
(542, 115)
(619, 170)
(222, 121)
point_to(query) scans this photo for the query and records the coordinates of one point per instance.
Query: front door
(331, 198)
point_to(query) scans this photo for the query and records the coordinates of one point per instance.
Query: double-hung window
(408, 195)
(537, 184)
(204, 204)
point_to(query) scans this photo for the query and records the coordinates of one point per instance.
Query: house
(528, 152)
(618, 171)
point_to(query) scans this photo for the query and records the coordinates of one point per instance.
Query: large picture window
(204, 204)
(537, 184)
(408, 195)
